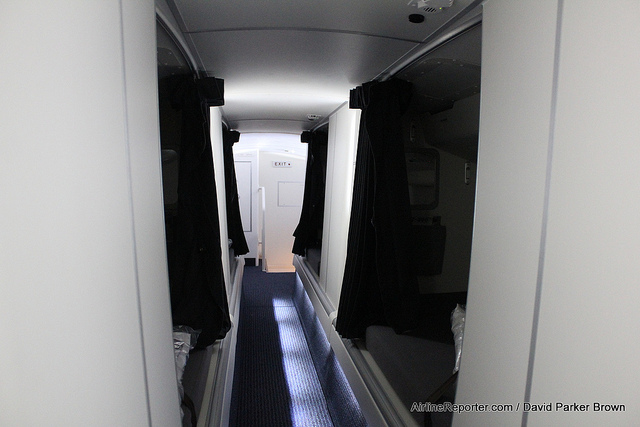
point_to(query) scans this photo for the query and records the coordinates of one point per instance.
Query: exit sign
(281, 164)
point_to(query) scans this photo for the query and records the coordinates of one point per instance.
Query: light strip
(299, 380)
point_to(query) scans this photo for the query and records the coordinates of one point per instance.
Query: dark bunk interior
(308, 233)
(200, 310)
(172, 65)
(441, 144)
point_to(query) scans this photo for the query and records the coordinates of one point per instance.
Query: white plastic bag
(184, 339)
(457, 327)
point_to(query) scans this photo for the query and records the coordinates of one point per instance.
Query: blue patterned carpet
(276, 381)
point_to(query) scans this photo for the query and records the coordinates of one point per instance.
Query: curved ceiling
(283, 60)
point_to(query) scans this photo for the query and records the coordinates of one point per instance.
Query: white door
(243, 176)
(246, 164)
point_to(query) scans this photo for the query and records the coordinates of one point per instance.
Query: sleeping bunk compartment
(440, 141)
(204, 237)
(389, 320)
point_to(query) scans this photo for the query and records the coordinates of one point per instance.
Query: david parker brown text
(573, 407)
(508, 407)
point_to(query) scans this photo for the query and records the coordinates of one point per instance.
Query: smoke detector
(431, 6)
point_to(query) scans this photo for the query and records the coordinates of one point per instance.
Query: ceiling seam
(177, 15)
(306, 30)
(273, 120)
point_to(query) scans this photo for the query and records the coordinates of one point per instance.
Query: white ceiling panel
(386, 18)
(269, 110)
(294, 58)
(277, 74)
(282, 60)
(271, 126)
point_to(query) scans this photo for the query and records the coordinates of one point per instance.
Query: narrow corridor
(277, 380)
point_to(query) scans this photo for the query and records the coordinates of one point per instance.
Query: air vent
(431, 6)
(431, 10)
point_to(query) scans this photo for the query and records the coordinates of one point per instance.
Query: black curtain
(234, 221)
(308, 233)
(379, 286)
(198, 295)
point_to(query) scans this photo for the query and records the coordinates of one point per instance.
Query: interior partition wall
(514, 124)
(554, 271)
(217, 145)
(342, 142)
(85, 300)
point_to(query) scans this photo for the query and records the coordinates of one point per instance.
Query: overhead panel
(268, 60)
(272, 73)
(302, 57)
(382, 18)
(269, 126)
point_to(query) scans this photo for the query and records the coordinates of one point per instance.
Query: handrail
(262, 222)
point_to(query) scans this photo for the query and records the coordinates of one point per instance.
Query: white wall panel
(343, 136)
(141, 82)
(517, 83)
(247, 177)
(586, 351)
(243, 174)
(549, 325)
(215, 122)
(79, 312)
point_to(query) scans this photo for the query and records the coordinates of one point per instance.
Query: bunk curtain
(308, 233)
(198, 294)
(379, 286)
(234, 221)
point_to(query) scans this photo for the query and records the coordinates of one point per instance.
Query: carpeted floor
(276, 382)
